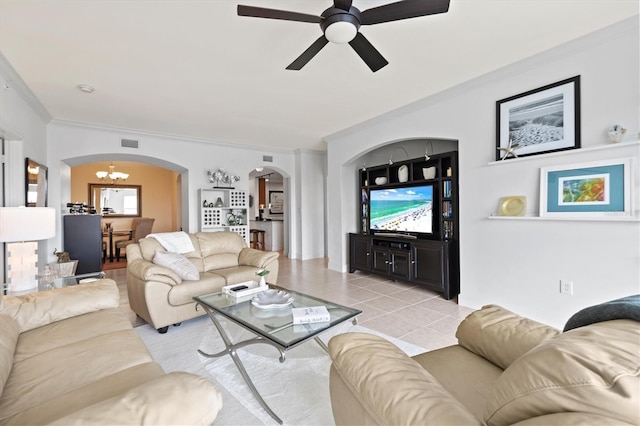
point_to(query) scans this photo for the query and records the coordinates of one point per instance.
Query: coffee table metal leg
(231, 351)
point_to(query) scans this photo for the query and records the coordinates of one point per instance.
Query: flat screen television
(405, 210)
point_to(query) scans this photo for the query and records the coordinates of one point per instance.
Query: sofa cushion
(501, 336)
(9, 333)
(208, 283)
(178, 264)
(43, 377)
(220, 249)
(593, 369)
(37, 309)
(149, 247)
(238, 274)
(468, 377)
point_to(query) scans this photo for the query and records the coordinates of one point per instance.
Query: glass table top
(276, 324)
(56, 283)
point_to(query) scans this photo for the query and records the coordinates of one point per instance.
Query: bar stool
(257, 239)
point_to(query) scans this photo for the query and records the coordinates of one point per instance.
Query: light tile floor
(397, 309)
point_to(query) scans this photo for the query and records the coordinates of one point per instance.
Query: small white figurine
(616, 133)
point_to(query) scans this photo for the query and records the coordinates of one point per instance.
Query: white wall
(23, 123)
(517, 263)
(70, 143)
(310, 173)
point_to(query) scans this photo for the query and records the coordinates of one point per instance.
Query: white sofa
(161, 297)
(69, 356)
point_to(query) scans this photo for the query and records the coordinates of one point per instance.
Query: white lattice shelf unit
(216, 218)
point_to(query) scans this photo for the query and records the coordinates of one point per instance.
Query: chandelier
(111, 176)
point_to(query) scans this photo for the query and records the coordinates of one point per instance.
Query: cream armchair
(505, 370)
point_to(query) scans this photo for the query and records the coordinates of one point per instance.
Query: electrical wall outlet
(566, 287)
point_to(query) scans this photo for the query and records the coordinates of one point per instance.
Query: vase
(219, 202)
(263, 281)
(429, 172)
(403, 174)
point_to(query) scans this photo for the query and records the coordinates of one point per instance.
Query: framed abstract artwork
(542, 120)
(600, 188)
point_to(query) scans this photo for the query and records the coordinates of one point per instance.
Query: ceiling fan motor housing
(340, 26)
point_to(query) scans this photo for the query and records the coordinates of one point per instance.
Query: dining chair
(141, 227)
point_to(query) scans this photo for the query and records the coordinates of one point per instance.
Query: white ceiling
(196, 69)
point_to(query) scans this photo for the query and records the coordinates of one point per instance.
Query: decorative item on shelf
(510, 150)
(221, 176)
(429, 172)
(616, 133)
(262, 274)
(514, 205)
(381, 180)
(81, 208)
(234, 219)
(63, 256)
(219, 203)
(403, 173)
(448, 171)
(205, 204)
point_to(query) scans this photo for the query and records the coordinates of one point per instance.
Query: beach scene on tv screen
(402, 209)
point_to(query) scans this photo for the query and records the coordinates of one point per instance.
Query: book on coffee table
(310, 315)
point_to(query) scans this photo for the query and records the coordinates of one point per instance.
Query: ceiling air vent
(267, 158)
(129, 143)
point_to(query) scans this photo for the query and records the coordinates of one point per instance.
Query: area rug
(296, 390)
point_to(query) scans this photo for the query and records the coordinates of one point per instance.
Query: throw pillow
(178, 264)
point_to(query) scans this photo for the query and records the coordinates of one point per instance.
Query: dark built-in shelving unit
(428, 260)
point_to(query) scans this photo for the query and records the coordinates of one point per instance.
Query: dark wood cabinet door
(82, 238)
(428, 266)
(400, 264)
(360, 253)
(380, 259)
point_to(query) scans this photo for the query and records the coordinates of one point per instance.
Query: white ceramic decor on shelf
(403, 174)
(381, 180)
(429, 172)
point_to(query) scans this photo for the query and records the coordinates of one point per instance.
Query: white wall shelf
(567, 152)
(612, 218)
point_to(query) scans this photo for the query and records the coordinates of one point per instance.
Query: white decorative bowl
(381, 180)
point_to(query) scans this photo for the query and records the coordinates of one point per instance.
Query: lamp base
(22, 266)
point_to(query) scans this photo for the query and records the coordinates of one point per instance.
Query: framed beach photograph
(601, 188)
(542, 120)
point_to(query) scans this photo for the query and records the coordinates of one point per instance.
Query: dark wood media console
(430, 264)
(429, 260)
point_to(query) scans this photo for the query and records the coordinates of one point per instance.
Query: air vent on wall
(129, 143)
(267, 158)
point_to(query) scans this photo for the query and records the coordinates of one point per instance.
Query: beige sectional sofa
(69, 356)
(505, 370)
(161, 297)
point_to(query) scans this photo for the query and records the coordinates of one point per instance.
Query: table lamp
(20, 228)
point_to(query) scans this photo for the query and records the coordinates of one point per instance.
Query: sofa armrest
(501, 336)
(174, 399)
(34, 310)
(389, 385)
(258, 258)
(144, 270)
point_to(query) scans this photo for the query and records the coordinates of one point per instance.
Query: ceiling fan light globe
(341, 32)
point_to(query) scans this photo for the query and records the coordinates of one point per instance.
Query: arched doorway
(269, 207)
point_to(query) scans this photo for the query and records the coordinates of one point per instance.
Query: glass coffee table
(273, 326)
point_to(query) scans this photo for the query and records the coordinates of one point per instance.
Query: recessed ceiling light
(85, 88)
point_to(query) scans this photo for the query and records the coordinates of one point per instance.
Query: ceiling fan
(341, 23)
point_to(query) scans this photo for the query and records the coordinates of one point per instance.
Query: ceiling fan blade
(403, 10)
(308, 54)
(342, 4)
(261, 12)
(368, 53)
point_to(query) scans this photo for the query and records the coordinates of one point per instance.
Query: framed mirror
(36, 184)
(116, 200)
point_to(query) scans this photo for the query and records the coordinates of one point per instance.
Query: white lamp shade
(27, 223)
